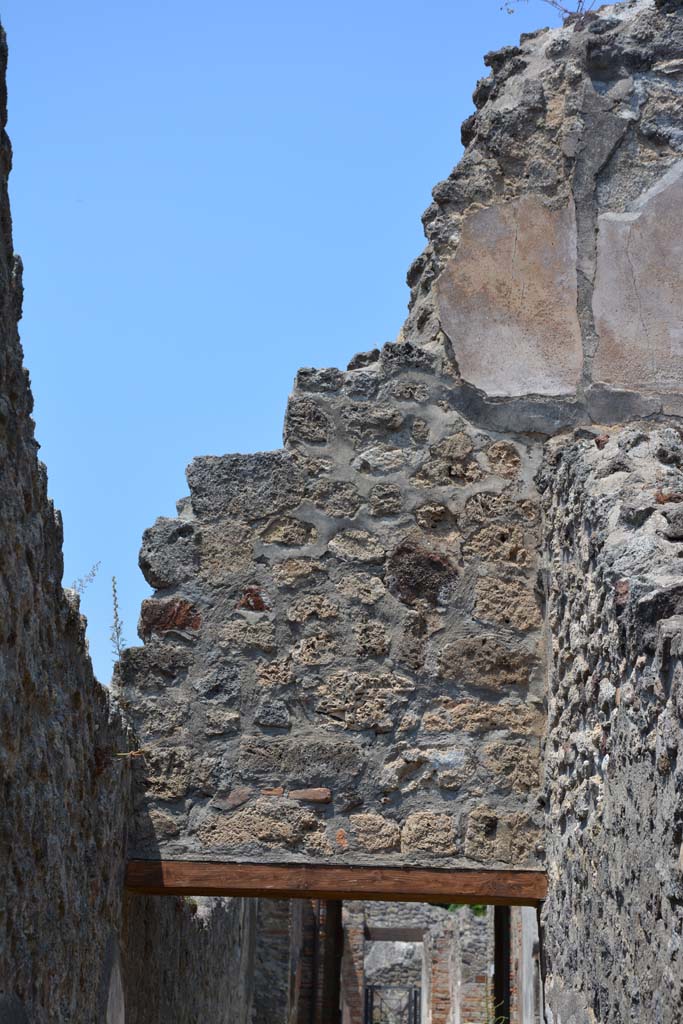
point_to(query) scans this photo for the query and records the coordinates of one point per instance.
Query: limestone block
(386, 500)
(335, 497)
(275, 673)
(312, 606)
(504, 459)
(434, 516)
(493, 836)
(484, 661)
(357, 546)
(363, 700)
(515, 765)
(288, 531)
(267, 822)
(450, 461)
(295, 571)
(638, 297)
(245, 633)
(362, 587)
(510, 602)
(365, 423)
(319, 649)
(498, 542)
(429, 832)
(371, 638)
(487, 505)
(226, 548)
(374, 833)
(476, 716)
(507, 299)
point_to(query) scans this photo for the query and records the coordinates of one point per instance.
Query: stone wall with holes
(614, 784)
(342, 660)
(72, 947)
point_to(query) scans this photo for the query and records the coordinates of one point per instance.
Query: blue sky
(206, 197)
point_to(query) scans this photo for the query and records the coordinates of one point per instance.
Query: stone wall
(72, 950)
(186, 960)
(613, 919)
(345, 637)
(342, 661)
(352, 640)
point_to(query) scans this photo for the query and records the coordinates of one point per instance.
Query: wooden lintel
(319, 881)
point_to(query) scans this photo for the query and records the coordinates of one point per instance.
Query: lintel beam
(377, 933)
(319, 881)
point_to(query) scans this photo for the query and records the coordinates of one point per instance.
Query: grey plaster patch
(638, 298)
(507, 300)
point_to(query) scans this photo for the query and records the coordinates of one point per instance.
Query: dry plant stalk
(577, 11)
(83, 582)
(117, 641)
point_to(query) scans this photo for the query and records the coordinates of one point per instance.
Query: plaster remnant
(507, 299)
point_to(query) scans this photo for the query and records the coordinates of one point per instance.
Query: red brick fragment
(164, 616)
(253, 600)
(313, 796)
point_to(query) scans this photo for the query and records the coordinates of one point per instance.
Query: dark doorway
(501, 965)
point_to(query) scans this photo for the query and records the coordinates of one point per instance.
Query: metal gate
(392, 1004)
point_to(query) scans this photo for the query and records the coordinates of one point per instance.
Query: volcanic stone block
(247, 486)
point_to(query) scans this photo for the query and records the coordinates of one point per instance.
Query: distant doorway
(392, 1004)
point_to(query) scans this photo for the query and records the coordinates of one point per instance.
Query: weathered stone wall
(67, 956)
(345, 658)
(342, 660)
(345, 637)
(188, 960)
(393, 963)
(614, 916)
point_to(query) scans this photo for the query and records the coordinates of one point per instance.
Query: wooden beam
(378, 933)
(319, 881)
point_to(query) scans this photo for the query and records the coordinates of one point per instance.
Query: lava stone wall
(342, 661)
(67, 956)
(614, 786)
